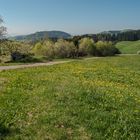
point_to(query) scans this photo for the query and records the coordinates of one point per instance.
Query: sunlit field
(81, 100)
(129, 47)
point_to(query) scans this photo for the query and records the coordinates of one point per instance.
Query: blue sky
(73, 16)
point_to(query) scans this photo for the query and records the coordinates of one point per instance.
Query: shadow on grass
(31, 60)
(5, 131)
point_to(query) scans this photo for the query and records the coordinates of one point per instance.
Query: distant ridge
(116, 31)
(63, 35)
(41, 35)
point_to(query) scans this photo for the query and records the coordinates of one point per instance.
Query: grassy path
(21, 66)
(31, 65)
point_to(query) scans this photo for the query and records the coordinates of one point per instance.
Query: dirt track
(30, 65)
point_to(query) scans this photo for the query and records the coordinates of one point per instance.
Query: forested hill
(115, 35)
(42, 35)
(120, 35)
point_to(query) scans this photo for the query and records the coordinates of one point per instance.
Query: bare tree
(2, 28)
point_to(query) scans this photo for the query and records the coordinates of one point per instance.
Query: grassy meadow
(128, 47)
(82, 100)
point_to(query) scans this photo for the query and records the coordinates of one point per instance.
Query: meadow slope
(81, 100)
(129, 47)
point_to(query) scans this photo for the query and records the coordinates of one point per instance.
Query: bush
(45, 49)
(14, 50)
(38, 49)
(48, 47)
(65, 49)
(105, 49)
(72, 50)
(17, 56)
(86, 47)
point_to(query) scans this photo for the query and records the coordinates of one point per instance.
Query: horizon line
(72, 34)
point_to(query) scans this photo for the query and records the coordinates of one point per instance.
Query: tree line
(132, 35)
(21, 51)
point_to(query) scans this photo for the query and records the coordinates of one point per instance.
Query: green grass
(94, 99)
(129, 47)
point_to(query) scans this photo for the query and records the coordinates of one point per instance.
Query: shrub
(45, 49)
(38, 49)
(71, 50)
(7, 47)
(61, 49)
(105, 49)
(17, 50)
(49, 51)
(17, 56)
(86, 47)
(20, 57)
(64, 49)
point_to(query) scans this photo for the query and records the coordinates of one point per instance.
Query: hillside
(116, 32)
(41, 35)
(129, 47)
(94, 99)
(116, 35)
